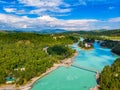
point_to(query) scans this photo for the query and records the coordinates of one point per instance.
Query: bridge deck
(86, 68)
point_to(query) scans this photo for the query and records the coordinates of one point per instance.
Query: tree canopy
(110, 77)
(22, 56)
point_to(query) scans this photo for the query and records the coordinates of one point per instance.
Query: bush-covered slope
(22, 56)
(113, 45)
(110, 77)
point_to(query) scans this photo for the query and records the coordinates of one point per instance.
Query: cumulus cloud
(117, 19)
(44, 6)
(43, 3)
(44, 22)
(14, 10)
(13, 21)
(47, 22)
(42, 11)
(9, 10)
(39, 7)
(47, 18)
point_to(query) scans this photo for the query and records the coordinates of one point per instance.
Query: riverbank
(66, 62)
(87, 48)
(97, 87)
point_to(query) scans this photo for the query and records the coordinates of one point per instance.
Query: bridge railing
(86, 68)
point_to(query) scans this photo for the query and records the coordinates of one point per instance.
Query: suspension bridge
(86, 68)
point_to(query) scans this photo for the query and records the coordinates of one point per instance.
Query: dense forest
(113, 45)
(116, 49)
(99, 34)
(60, 50)
(110, 77)
(22, 55)
(115, 32)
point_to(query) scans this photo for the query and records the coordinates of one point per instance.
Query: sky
(59, 14)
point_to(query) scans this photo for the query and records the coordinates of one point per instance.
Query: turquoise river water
(73, 78)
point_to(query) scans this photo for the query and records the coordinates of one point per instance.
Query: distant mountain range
(50, 31)
(53, 31)
(45, 31)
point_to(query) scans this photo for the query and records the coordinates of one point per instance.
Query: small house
(9, 80)
(87, 45)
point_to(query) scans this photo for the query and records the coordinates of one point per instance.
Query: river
(72, 78)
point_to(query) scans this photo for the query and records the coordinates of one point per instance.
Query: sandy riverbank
(95, 88)
(87, 48)
(65, 62)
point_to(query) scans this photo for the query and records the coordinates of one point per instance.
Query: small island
(86, 44)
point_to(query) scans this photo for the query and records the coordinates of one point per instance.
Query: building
(87, 45)
(9, 80)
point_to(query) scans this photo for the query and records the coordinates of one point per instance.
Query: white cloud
(43, 3)
(117, 19)
(106, 27)
(24, 26)
(9, 10)
(80, 3)
(47, 22)
(43, 22)
(13, 21)
(41, 11)
(45, 6)
(47, 18)
(14, 10)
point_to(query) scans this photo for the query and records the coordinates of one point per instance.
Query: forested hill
(23, 55)
(110, 77)
(44, 31)
(115, 32)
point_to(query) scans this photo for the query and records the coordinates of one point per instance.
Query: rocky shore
(97, 87)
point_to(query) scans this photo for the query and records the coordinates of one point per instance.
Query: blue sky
(59, 14)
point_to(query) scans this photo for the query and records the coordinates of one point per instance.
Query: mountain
(53, 31)
(114, 32)
(45, 31)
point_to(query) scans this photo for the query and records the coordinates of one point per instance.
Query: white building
(87, 45)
